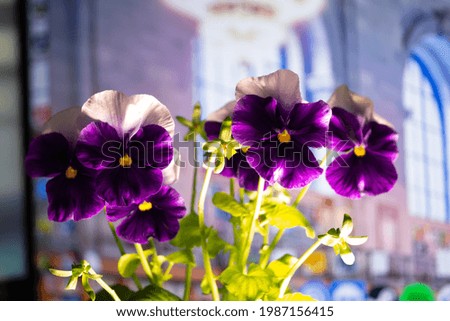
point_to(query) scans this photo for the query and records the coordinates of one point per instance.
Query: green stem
(194, 182)
(295, 267)
(232, 187)
(265, 258)
(201, 219)
(187, 282)
(106, 287)
(144, 262)
(249, 240)
(122, 252)
(241, 195)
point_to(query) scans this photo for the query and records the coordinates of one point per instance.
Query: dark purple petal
(308, 123)
(255, 118)
(99, 146)
(73, 198)
(114, 213)
(48, 155)
(124, 186)
(353, 176)
(160, 222)
(248, 177)
(153, 145)
(231, 165)
(212, 129)
(345, 130)
(288, 164)
(381, 139)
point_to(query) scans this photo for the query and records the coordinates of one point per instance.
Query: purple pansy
(71, 190)
(368, 148)
(156, 216)
(130, 145)
(237, 166)
(270, 118)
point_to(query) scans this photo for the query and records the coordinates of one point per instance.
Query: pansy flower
(156, 216)
(279, 129)
(367, 150)
(237, 165)
(71, 191)
(130, 144)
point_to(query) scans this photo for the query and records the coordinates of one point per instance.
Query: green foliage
(281, 267)
(153, 293)
(184, 256)
(122, 292)
(128, 263)
(189, 234)
(297, 296)
(247, 286)
(195, 126)
(227, 203)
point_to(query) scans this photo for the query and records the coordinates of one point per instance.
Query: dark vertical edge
(22, 27)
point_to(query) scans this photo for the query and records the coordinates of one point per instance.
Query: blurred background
(56, 54)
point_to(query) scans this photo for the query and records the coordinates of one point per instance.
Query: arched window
(425, 99)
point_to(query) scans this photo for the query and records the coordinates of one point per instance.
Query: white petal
(343, 97)
(220, 114)
(348, 258)
(283, 85)
(127, 113)
(68, 122)
(347, 226)
(172, 172)
(356, 240)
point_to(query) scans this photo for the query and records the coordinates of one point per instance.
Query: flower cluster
(114, 152)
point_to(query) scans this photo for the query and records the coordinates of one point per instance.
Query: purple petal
(308, 123)
(248, 177)
(48, 155)
(345, 130)
(73, 198)
(283, 85)
(381, 140)
(290, 165)
(114, 213)
(254, 118)
(124, 186)
(212, 129)
(160, 222)
(128, 113)
(99, 146)
(153, 144)
(353, 176)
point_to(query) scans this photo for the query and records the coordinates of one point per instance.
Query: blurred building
(395, 52)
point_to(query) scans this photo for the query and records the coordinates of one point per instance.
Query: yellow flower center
(125, 161)
(284, 137)
(71, 172)
(145, 206)
(359, 151)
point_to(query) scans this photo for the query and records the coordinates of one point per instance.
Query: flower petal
(72, 198)
(172, 172)
(308, 123)
(343, 97)
(48, 155)
(381, 140)
(222, 113)
(155, 143)
(114, 213)
(380, 174)
(99, 146)
(68, 122)
(347, 256)
(347, 226)
(123, 186)
(283, 85)
(344, 131)
(356, 240)
(128, 113)
(212, 129)
(254, 118)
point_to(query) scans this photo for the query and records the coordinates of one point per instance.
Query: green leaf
(182, 257)
(204, 285)
(215, 243)
(60, 273)
(121, 290)
(284, 216)
(128, 264)
(297, 296)
(225, 130)
(153, 293)
(72, 284)
(87, 287)
(227, 203)
(184, 121)
(250, 286)
(189, 234)
(281, 267)
(197, 113)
